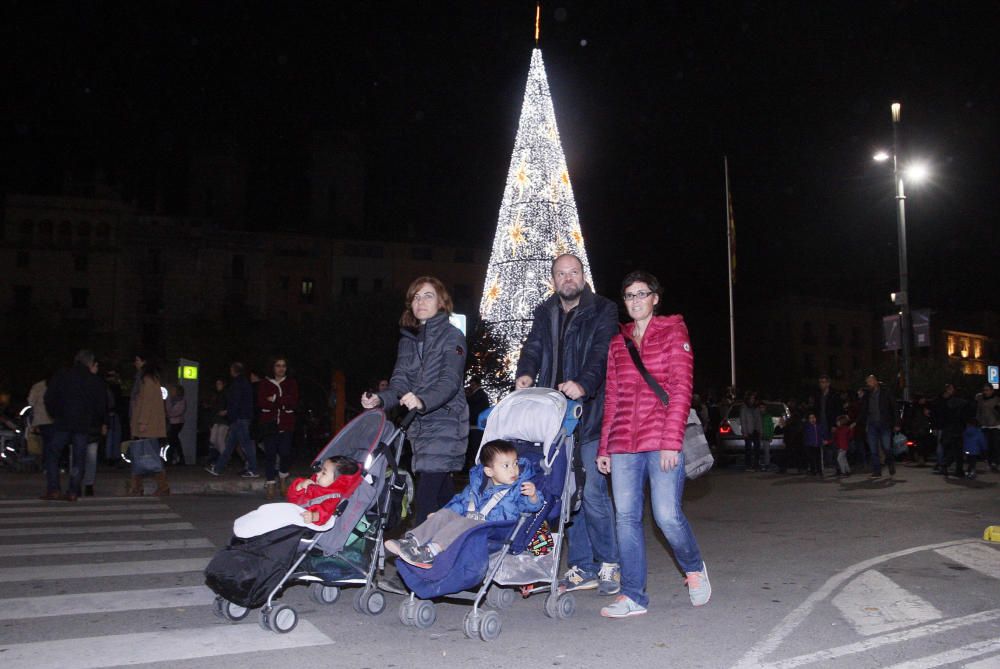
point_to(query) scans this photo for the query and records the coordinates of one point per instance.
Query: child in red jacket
(321, 493)
(842, 438)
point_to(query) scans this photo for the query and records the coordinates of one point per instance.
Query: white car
(730, 441)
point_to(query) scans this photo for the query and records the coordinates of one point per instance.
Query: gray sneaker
(211, 470)
(610, 579)
(699, 587)
(577, 579)
(623, 607)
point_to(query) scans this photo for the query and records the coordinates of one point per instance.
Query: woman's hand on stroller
(604, 464)
(370, 400)
(528, 490)
(411, 402)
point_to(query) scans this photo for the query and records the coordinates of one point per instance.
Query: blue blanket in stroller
(464, 563)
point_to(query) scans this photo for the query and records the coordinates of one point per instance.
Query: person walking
(41, 421)
(277, 401)
(76, 399)
(219, 430)
(427, 378)
(988, 417)
(239, 412)
(752, 425)
(878, 415)
(176, 410)
(642, 438)
(567, 349)
(149, 420)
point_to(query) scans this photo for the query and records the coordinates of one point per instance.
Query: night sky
(648, 100)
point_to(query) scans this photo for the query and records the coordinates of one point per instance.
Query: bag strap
(650, 381)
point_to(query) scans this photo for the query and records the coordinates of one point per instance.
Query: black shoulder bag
(697, 455)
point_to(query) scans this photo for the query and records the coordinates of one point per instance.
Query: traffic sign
(993, 375)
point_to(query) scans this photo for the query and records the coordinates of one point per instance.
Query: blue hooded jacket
(481, 489)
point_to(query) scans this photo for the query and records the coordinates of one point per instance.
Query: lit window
(951, 345)
(977, 348)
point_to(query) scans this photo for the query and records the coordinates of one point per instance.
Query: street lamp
(915, 173)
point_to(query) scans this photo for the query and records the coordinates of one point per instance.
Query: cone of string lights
(538, 221)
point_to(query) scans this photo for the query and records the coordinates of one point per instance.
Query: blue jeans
(629, 472)
(880, 436)
(239, 432)
(591, 534)
(78, 456)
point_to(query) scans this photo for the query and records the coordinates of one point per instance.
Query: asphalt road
(805, 573)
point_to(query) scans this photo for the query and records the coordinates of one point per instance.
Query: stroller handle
(410, 416)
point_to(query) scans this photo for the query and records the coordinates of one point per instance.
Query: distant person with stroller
(277, 403)
(567, 349)
(428, 378)
(77, 401)
(877, 412)
(239, 412)
(499, 489)
(642, 440)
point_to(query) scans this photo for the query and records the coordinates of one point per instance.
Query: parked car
(730, 433)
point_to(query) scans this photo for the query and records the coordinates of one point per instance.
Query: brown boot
(284, 480)
(269, 489)
(135, 486)
(161, 484)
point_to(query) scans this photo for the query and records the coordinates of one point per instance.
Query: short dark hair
(85, 357)
(646, 278)
(552, 268)
(494, 448)
(344, 465)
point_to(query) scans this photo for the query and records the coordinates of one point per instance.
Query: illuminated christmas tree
(538, 222)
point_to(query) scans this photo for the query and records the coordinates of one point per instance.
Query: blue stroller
(347, 550)
(492, 561)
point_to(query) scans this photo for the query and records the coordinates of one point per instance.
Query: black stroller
(346, 551)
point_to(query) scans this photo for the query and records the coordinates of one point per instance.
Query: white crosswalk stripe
(873, 604)
(108, 528)
(85, 547)
(58, 530)
(980, 557)
(167, 645)
(29, 503)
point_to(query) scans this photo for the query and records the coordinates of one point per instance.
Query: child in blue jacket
(974, 445)
(493, 493)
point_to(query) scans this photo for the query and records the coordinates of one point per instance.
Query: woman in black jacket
(428, 379)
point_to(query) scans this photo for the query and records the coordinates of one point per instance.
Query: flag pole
(729, 262)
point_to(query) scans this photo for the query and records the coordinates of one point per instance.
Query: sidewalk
(112, 482)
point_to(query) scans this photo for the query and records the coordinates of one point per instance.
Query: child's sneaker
(699, 588)
(418, 556)
(623, 607)
(609, 579)
(577, 579)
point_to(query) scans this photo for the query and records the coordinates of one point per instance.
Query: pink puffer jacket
(634, 418)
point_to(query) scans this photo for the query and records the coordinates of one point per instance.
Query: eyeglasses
(638, 295)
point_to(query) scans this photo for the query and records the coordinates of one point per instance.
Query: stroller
(491, 557)
(255, 569)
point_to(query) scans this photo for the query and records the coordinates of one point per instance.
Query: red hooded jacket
(281, 409)
(634, 418)
(344, 485)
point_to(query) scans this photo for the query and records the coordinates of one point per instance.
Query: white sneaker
(699, 587)
(623, 607)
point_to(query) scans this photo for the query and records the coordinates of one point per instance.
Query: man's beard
(570, 294)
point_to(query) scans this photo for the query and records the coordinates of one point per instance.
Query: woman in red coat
(641, 440)
(277, 400)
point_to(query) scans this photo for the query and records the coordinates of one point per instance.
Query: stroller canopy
(532, 414)
(357, 439)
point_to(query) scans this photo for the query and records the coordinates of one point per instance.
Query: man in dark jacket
(828, 408)
(877, 413)
(567, 349)
(76, 400)
(953, 411)
(239, 412)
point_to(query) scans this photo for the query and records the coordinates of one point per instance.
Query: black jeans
(434, 490)
(751, 445)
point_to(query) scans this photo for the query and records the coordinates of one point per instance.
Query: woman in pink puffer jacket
(641, 439)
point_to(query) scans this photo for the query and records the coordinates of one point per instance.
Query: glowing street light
(881, 157)
(917, 173)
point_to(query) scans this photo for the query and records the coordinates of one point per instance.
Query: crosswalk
(63, 567)
(888, 609)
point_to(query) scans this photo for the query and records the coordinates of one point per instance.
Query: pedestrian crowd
(868, 429)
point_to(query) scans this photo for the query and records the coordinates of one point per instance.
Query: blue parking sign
(993, 374)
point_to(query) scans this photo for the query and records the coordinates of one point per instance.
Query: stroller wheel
(561, 606)
(470, 624)
(424, 614)
(231, 612)
(489, 625)
(283, 619)
(407, 612)
(500, 598)
(369, 601)
(324, 594)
